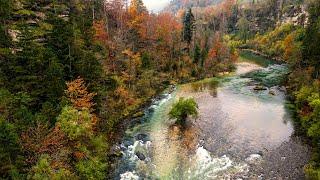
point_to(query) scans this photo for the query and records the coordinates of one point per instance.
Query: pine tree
(196, 54)
(188, 27)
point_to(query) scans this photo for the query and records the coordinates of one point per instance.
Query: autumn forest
(86, 87)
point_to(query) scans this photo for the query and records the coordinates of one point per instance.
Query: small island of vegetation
(182, 109)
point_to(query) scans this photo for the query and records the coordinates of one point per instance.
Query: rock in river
(260, 88)
(254, 158)
(142, 137)
(140, 155)
(271, 92)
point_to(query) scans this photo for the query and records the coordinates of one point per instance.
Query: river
(241, 133)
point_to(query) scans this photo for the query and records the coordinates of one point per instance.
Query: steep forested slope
(289, 33)
(72, 71)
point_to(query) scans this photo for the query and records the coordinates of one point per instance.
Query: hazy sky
(155, 5)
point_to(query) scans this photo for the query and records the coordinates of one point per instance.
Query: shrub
(75, 123)
(43, 171)
(92, 168)
(182, 109)
(312, 172)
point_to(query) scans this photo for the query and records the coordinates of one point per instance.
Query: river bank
(136, 118)
(222, 143)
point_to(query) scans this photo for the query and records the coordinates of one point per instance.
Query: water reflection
(236, 124)
(207, 85)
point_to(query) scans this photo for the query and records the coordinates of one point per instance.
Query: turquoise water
(237, 133)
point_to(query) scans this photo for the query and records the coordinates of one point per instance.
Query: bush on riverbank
(308, 108)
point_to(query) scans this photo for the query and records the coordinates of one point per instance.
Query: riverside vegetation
(72, 71)
(182, 109)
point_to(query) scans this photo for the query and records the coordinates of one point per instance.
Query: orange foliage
(79, 155)
(220, 9)
(100, 31)
(292, 49)
(137, 21)
(40, 140)
(78, 95)
(166, 26)
(218, 49)
(212, 53)
(124, 95)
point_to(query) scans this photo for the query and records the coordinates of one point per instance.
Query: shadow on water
(246, 56)
(209, 85)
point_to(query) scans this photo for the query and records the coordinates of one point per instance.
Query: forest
(74, 74)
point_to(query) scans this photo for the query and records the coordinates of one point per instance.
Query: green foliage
(312, 173)
(196, 54)
(100, 146)
(43, 171)
(5, 12)
(9, 149)
(182, 109)
(247, 55)
(244, 29)
(308, 106)
(272, 42)
(92, 168)
(146, 60)
(75, 123)
(308, 100)
(311, 42)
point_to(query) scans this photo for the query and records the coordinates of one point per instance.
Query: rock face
(294, 14)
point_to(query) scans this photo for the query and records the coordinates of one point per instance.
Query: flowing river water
(241, 133)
